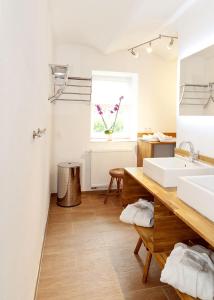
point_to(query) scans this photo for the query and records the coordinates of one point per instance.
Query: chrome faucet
(193, 156)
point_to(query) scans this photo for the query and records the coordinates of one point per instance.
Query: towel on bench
(140, 213)
(191, 271)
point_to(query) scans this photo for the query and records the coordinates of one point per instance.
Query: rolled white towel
(190, 271)
(140, 213)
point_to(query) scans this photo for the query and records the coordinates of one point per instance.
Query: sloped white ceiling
(111, 25)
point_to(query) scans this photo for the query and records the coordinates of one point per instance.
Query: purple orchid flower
(115, 109)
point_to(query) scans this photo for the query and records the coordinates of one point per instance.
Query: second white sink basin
(166, 170)
(198, 192)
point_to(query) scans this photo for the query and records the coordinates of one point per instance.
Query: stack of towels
(140, 213)
(158, 136)
(191, 271)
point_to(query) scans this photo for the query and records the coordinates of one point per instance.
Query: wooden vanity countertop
(197, 222)
(158, 142)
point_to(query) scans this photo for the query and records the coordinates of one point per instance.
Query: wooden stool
(117, 174)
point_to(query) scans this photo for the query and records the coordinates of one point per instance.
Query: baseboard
(93, 192)
(86, 192)
(41, 256)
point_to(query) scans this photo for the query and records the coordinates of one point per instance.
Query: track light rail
(152, 40)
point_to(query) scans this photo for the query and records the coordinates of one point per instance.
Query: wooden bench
(146, 238)
(173, 220)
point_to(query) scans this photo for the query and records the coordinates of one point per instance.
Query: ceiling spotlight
(170, 44)
(134, 53)
(149, 48)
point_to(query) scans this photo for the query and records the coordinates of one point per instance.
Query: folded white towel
(202, 249)
(191, 271)
(193, 260)
(157, 136)
(162, 137)
(140, 213)
(145, 214)
(128, 214)
(149, 138)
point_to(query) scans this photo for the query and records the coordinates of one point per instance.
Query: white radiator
(104, 160)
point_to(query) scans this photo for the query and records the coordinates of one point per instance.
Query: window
(107, 88)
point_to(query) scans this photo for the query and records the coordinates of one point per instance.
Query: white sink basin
(166, 170)
(198, 192)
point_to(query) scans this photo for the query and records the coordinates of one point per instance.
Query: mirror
(197, 83)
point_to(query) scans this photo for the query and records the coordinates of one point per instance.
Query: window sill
(113, 140)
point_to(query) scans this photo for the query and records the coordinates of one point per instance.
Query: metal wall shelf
(189, 94)
(80, 87)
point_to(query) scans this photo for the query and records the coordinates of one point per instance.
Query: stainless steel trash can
(68, 184)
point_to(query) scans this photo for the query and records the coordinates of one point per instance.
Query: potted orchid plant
(109, 130)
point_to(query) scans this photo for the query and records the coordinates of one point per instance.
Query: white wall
(71, 121)
(24, 172)
(195, 29)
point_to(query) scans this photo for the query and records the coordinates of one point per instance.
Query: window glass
(107, 88)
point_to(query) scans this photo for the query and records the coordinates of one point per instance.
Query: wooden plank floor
(88, 254)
